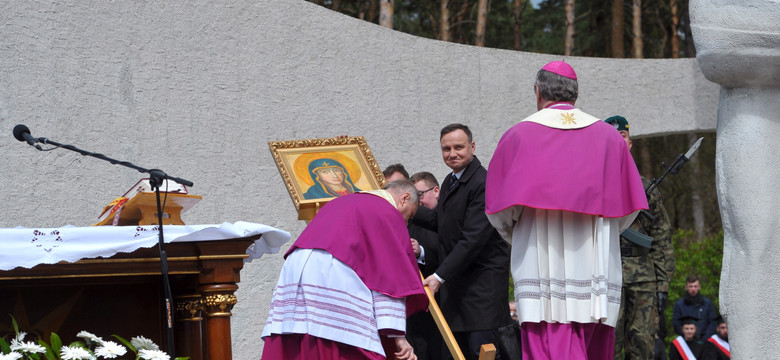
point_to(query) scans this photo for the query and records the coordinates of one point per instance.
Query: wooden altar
(123, 295)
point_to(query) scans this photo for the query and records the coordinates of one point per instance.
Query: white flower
(13, 355)
(18, 341)
(90, 337)
(26, 347)
(110, 350)
(142, 343)
(153, 355)
(20, 336)
(75, 353)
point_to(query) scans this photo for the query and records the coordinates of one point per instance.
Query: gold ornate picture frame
(316, 171)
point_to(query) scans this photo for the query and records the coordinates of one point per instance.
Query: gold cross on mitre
(568, 118)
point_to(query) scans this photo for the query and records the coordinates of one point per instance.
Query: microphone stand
(156, 178)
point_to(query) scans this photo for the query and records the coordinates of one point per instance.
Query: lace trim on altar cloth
(28, 247)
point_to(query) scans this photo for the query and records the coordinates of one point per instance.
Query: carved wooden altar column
(218, 300)
(220, 272)
(189, 326)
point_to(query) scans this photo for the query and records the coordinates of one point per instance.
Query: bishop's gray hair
(404, 186)
(555, 87)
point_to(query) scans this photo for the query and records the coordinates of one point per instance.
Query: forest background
(591, 28)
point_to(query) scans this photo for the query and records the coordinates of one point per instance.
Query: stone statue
(738, 47)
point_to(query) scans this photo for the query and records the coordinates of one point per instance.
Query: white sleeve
(504, 221)
(627, 220)
(390, 312)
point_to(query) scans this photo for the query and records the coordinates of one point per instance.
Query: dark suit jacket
(475, 268)
(421, 330)
(429, 240)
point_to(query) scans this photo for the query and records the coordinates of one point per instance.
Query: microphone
(22, 133)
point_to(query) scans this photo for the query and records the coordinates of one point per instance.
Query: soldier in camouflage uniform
(648, 265)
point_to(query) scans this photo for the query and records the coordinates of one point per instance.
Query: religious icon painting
(318, 170)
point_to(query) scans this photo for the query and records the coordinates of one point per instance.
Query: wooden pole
(441, 323)
(487, 352)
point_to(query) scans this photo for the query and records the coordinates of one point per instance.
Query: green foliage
(701, 258)
(53, 348)
(14, 324)
(49, 354)
(416, 18)
(4, 347)
(511, 288)
(56, 343)
(126, 343)
(542, 28)
(499, 31)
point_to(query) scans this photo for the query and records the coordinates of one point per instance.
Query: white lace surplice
(321, 296)
(566, 266)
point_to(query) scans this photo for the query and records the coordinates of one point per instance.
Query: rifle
(642, 239)
(675, 167)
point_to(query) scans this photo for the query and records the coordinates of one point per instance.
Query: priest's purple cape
(584, 170)
(368, 234)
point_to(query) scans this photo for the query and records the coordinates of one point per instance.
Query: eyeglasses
(422, 193)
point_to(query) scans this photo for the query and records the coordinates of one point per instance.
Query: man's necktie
(453, 181)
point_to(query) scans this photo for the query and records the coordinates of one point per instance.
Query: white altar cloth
(27, 247)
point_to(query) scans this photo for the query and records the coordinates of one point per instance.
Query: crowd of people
(562, 209)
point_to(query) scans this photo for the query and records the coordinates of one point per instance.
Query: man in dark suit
(421, 330)
(474, 275)
(425, 242)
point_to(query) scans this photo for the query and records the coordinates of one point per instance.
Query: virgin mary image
(331, 179)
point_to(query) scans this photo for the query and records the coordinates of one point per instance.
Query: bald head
(405, 195)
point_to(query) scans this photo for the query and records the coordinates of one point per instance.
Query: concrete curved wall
(198, 88)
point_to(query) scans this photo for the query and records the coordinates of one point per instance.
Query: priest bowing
(349, 281)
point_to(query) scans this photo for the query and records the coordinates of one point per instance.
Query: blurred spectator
(513, 310)
(719, 342)
(695, 305)
(395, 172)
(687, 346)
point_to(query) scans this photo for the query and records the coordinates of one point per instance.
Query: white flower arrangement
(18, 345)
(89, 337)
(153, 355)
(75, 353)
(110, 350)
(92, 348)
(13, 355)
(142, 343)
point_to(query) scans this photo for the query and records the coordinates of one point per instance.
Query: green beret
(620, 123)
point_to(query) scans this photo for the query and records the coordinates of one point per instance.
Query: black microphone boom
(19, 131)
(22, 133)
(156, 177)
